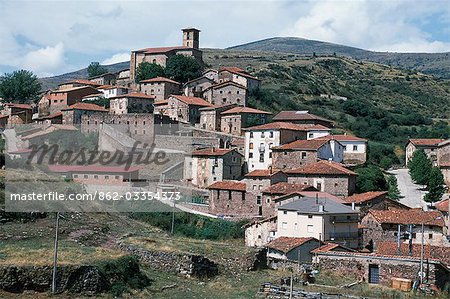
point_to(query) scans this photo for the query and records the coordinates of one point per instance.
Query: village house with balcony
(206, 166)
(327, 221)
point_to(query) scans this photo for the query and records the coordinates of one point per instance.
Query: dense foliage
(370, 178)
(435, 186)
(147, 70)
(393, 191)
(96, 69)
(183, 68)
(193, 226)
(19, 87)
(420, 167)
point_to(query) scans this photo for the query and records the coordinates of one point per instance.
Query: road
(412, 195)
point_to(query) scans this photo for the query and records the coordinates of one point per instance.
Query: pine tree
(435, 186)
(420, 167)
(393, 191)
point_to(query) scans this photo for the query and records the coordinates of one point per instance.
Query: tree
(435, 185)
(96, 69)
(420, 167)
(370, 178)
(183, 68)
(19, 87)
(147, 70)
(393, 192)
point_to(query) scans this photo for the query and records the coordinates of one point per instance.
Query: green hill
(437, 64)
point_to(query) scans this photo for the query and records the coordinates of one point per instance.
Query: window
(430, 236)
(251, 145)
(303, 155)
(285, 212)
(251, 134)
(75, 175)
(319, 186)
(271, 134)
(254, 187)
(310, 228)
(310, 135)
(310, 216)
(355, 148)
(106, 177)
(295, 226)
(283, 225)
(258, 200)
(229, 195)
(250, 155)
(263, 135)
(261, 157)
(95, 176)
(413, 235)
(116, 177)
(85, 176)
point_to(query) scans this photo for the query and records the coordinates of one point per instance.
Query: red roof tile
(322, 167)
(236, 70)
(297, 115)
(287, 188)
(277, 126)
(412, 216)
(366, 196)
(307, 145)
(240, 110)
(159, 79)
(443, 205)
(91, 168)
(134, 95)
(261, 173)
(162, 102)
(331, 247)
(211, 152)
(286, 244)
(310, 194)
(228, 185)
(226, 83)
(86, 106)
(192, 100)
(426, 141)
(21, 106)
(342, 138)
(81, 81)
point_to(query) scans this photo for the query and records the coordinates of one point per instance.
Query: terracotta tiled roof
(444, 164)
(57, 114)
(259, 221)
(286, 244)
(236, 70)
(162, 102)
(426, 142)
(86, 106)
(226, 83)
(366, 196)
(322, 167)
(262, 173)
(438, 253)
(297, 115)
(112, 87)
(442, 205)
(135, 95)
(91, 168)
(412, 216)
(21, 106)
(211, 152)
(307, 145)
(159, 79)
(93, 95)
(310, 194)
(81, 81)
(277, 126)
(287, 188)
(342, 138)
(239, 110)
(162, 49)
(228, 185)
(331, 247)
(192, 100)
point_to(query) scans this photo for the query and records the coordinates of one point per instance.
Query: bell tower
(191, 37)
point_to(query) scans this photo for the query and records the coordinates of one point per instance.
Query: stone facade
(443, 155)
(210, 117)
(239, 76)
(196, 87)
(55, 101)
(260, 232)
(105, 79)
(226, 93)
(160, 88)
(132, 103)
(234, 120)
(339, 185)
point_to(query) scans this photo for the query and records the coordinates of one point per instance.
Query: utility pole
(55, 257)
(421, 255)
(399, 243)
(173, 218)
(410, 239)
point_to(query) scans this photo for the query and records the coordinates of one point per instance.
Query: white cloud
(119, 57)
(45, 61)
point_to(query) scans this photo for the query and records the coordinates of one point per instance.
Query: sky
(55, 37)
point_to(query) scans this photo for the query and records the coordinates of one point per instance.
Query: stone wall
(282, 159)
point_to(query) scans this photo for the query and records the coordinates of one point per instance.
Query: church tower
(191, 37)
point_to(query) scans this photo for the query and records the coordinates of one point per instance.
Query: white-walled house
(325, 220)
(355, 148)
(113, 91)
(317, 131)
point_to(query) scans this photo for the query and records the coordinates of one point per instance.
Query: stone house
(55, 118)
(226, 93)
(260, 232)
(56, 100)
(259, 141)
(73, 114)
(232, 121)
(159, 87)
(230, 199)
(445, 169)
(105, 79)
(324, 220)
(110, 91)
(196, 87)
(239, 76)
(123, 78)
(386, 265)
(430, 146)
(302, 117)
(443, 156)
(131, 103)
(355, 148)
(325, 176)
(206, 166)
(211, 74)
(210, 117)
(17, 114)
(382, 225)
(443, 207)
(303, 152)
(296, 250)
(372, 200)
(78, 83)
(160, 55)
(183, 108)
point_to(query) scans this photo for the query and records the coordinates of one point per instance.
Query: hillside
(436, 64)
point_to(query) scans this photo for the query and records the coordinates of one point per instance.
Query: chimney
(353, 205)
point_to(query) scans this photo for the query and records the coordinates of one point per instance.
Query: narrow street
(412, 196)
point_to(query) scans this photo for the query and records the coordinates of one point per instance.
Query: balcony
(343, 236)
(343, 219)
